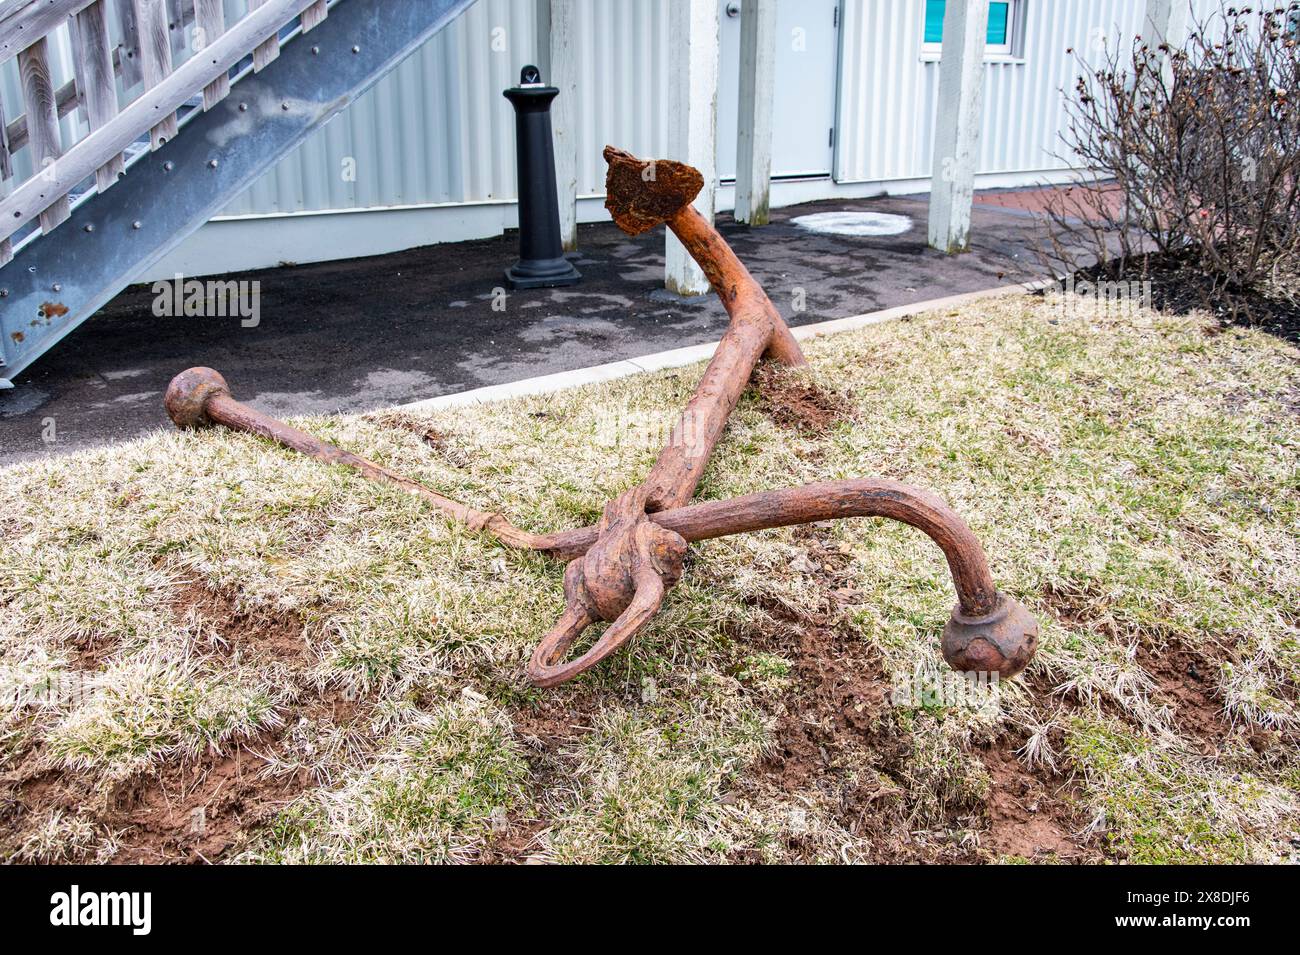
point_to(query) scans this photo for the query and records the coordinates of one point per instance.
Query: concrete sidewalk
(367, 333)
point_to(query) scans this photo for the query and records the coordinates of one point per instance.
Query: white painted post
(1166, 22)
(542, 37)
(561, 43)
(692, 122)
(754, 115)
(957, 126)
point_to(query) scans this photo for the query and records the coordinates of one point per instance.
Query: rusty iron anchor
(620, 570)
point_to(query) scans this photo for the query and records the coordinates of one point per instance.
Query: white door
(803, 109)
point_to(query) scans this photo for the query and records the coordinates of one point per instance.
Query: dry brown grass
(1133, 477)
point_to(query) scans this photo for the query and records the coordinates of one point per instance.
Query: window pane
(934, 21)
(997, 35)
(999, 22)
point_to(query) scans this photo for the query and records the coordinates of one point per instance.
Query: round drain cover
(854, 223)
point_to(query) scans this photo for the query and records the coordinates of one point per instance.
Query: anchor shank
(680, 465)
(739, 291)
(756, 328)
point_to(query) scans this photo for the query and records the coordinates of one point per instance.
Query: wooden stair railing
(171, 127)
(151, 35)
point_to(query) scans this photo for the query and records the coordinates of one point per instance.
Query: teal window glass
(997, 35)
(999, 22)
(934, 20)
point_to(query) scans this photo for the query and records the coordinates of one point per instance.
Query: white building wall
(622, 85)
(438, 130)
(435, 130)
(433, 143)
(889, 88)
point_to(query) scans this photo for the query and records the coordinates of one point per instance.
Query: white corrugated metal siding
(437, 130)
(889, 91)
(622, 83)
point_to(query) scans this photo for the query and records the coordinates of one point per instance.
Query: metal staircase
(172, 108)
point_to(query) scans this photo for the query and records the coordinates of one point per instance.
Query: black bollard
(541, 254)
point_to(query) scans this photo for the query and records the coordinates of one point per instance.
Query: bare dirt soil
(195, 810)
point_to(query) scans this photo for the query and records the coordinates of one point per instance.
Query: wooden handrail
(66, 97)
(27, 22)
(31, 198)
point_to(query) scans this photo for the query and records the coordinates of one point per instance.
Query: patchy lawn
(215, 649)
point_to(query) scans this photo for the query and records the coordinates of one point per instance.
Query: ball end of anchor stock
(188, 395)
(1001, 642)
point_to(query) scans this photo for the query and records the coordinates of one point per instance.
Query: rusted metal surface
(621, 570)
(639, 196)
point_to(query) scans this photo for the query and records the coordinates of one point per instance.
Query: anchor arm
(545, 668)
(987, 632)
(858, 497)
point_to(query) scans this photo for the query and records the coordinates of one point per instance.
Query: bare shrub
(1201, 145)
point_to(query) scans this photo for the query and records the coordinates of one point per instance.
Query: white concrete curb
(693, 353)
